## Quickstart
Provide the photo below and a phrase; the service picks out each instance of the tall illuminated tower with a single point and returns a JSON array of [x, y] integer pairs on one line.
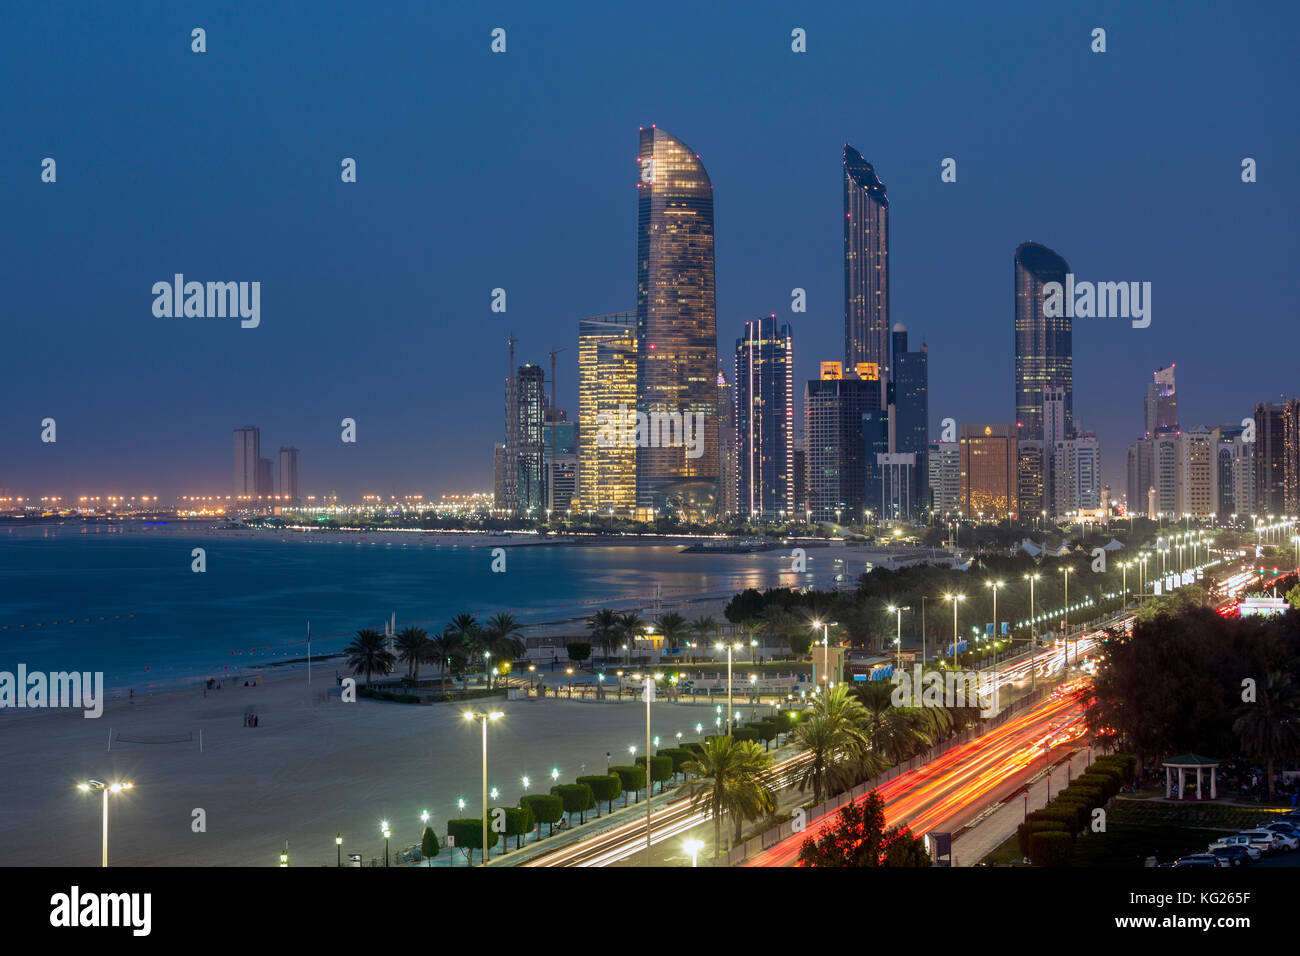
[[866, 265], [1044, 345], [677, 335], [606, 397], [765, 419]]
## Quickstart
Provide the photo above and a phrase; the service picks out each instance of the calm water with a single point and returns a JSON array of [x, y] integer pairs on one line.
[[153, 621]]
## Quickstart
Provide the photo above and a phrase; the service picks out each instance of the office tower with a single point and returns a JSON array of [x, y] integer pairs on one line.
[[290, 488], [1140, 475], [1166, 457], [528, 464], [1162, 404], [1291, 457], [801, 482], [876, 432], [989, 461], [764, 393], [1243, 476], [1275, 465], [1198, 473], [728, 462], [1043, 343], [836, 474], [1225, 445], [499, 476], [247, 454], [943, 460], [1076, 474], [898, 484], [677, 334], [265, 479], [1033, 462], [909, 385], [607, 406], [560, 462], [866, 265]]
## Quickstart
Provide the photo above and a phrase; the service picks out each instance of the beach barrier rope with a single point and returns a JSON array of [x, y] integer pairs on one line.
[[157, 739]]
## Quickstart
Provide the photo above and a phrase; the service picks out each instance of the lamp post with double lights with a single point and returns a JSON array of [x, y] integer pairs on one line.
[[730, 647], [826, 649], [995, 586], [1033, 633], [955, 599], [1065, 622], [648, 692], [898, 635], [483, 717], [105, 789]]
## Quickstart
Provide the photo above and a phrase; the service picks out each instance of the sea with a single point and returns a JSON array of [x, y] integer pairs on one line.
[[124, 598]]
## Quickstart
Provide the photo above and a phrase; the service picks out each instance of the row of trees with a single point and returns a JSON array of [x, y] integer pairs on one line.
[[463, 646]]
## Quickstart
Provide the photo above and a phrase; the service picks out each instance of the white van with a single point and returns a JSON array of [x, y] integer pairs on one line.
[[1241, 840], [1265, 840]]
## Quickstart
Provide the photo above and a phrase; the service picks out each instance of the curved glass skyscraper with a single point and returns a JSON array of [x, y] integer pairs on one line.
[[866, 265], [677, 334], [1044, 346]]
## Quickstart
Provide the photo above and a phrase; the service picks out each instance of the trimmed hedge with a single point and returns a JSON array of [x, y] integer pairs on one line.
[[546, 808], [695, 747], [1126, 764], [661, 768], [632, 780], [518, 821], [1082, 812], [1036, 826], [605, 788], [467, 833], [1085, 794], [1050, 848], [1107, 783], [679, 756], [576, 797]]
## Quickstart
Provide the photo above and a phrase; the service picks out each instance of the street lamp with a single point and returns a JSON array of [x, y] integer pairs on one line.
[[387, 833], [693, 848], [995, 586], [730, 647], [1066, 621], [955, 599], [483, 717], [898, 637], [1033, 633], [106, 789], [338, 849], [648, 691]]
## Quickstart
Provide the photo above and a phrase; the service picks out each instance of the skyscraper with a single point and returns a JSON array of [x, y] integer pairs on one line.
[[247, 454], [1277, 457], [909, 388], [528, 466], [866, 265], [943, 459], [290, 488], [837, 477], [989, 472], [265, 479], [606, 397], [1043, 344], [677, 334], [764, 393], [728, 466], [1161, 404]]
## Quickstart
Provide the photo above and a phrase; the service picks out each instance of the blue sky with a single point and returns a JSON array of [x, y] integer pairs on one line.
[[479, 170]]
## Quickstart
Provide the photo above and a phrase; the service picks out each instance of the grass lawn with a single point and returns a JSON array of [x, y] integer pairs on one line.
[[1136, 829], [1007, 853]]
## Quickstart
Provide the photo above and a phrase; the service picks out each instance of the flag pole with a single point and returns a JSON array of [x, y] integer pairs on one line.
[[309, 653]]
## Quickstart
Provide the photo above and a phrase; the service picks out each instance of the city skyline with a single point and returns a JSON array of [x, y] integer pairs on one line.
[[137, 425]]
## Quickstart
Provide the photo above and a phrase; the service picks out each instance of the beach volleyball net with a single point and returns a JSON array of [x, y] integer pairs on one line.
[[186, 737]]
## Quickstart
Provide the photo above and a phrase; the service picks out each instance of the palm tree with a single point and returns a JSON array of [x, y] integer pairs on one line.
[[465, 630], [897, 732], [367, 654], [839, 749], [411, 643], [1270, 727], [604, 629], [730, 777], [629, 626], [501, 634], [703, 627], [443, 649], [752, 627], [672, 627]]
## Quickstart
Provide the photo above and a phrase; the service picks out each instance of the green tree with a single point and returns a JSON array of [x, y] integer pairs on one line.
[[631, 779], [630, 627], [838, 747], [705, 630], [604, 627], [465, 630], [731, 778], [412, 648], [578, 652], [672, 627], [605, 788], [1269, 728], [546, 807], [859, 838], [577, 798], [446, 650], [367, 654], [429, 847], [467, 834]]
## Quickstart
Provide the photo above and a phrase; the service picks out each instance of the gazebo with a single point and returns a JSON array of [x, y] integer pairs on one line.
[[1187, 762]]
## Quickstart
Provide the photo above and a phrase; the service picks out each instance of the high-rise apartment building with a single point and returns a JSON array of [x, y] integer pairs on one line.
[[265, 479], [909, 390], [290, 484], [1076, 474], [1198, 473], [1043, 341], [1166, 457], [247, 454], [1161, 404], [528, 465], [560, 462], [989, 463], [677, 334], [1140, 475], [607, 406], [944, 463], [764, 416], [1033, 464], [1277, 458], [837, 478], [866, 265], [728, 459]]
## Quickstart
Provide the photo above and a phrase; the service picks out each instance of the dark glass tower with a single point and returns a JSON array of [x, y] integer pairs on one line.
[[764, 395], [910, 390], [866, 265], [677, 335], [1044, 349]]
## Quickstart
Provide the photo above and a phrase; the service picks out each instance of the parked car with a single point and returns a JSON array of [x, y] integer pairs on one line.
[[1282, 840], [1266, 840], [1288, 827], [1236, 855], [1201, 860], [1238, 839]]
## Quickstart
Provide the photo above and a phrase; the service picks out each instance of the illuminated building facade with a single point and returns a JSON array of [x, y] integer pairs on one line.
[[866, 264], [247, 455], [1044, 346], [989, 460], [677, 334], [728, 465], [764, 416], [606, 386], [290, 483], [837, 475]]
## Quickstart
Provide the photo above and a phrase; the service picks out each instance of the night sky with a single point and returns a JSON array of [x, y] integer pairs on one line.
[[517, 170]]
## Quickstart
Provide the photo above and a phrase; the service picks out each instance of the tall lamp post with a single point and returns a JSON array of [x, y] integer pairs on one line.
[[826, 653], [955, 599], [648, 693], [106, 789], [730, 647], [1033, 634], [995, 586], [898, 635], [384, 828], [483, 717], [1066, 620], [338, 849]]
